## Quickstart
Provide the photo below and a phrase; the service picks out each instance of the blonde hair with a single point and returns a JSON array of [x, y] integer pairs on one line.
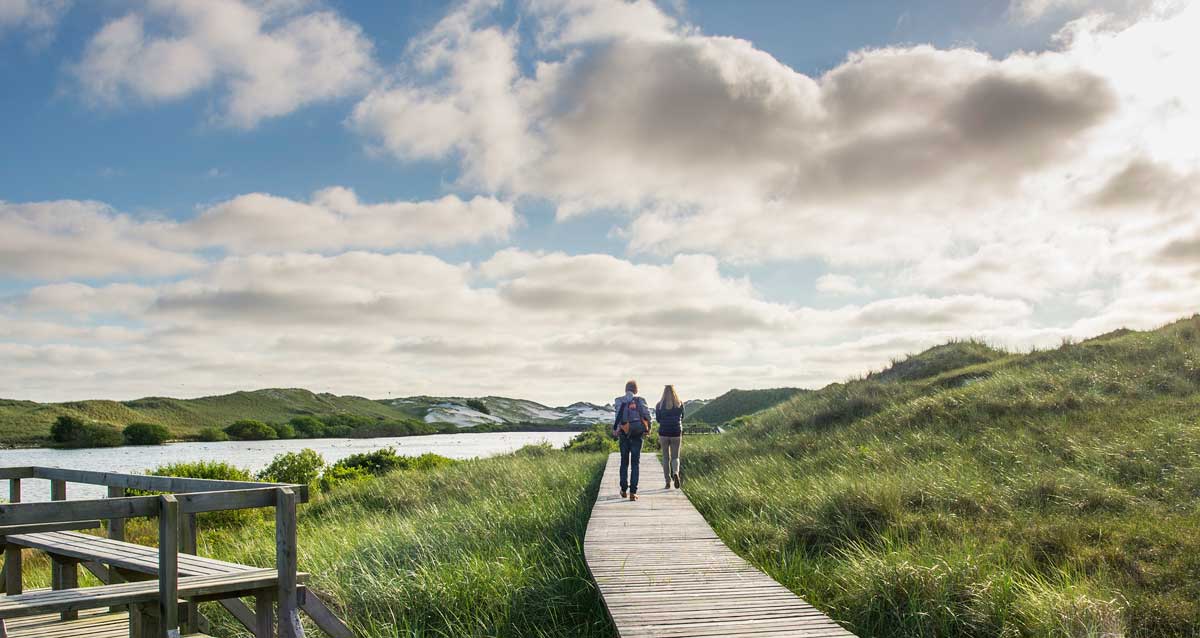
[[669, 400]]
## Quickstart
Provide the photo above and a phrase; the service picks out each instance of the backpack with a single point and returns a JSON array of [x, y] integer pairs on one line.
[[632, 423]]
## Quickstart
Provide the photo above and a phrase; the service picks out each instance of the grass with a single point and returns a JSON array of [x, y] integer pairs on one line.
[[481, 548], [977, 493], [489, 547]]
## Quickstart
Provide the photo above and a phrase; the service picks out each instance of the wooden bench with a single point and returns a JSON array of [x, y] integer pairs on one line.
[[102, 555], [244, 583], [176, 506]]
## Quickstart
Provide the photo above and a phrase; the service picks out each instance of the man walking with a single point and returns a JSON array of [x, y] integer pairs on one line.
[[631, 424]]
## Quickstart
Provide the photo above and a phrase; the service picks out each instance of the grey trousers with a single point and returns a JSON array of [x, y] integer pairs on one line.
[[670, 454]]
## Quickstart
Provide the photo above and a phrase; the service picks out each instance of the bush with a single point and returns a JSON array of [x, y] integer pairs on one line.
[[283, 430], [402, 427], [376, 463], [337, 475], [146, 434], [596, 439], [217, 471], [301, 468], [212, 435], [69, 431], [478, 406], [308, 427], [250, 430]]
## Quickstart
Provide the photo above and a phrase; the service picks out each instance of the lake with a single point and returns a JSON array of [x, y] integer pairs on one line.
[[253, 455]]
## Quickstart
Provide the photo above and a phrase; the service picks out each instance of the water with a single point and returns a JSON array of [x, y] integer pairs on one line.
[[252, 455]]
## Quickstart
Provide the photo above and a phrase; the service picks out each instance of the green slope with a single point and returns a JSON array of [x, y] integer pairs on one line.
[[965, 492], [736, 403], [26, 422]]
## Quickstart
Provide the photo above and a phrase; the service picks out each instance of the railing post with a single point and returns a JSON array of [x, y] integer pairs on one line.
[[58, 490], [12, 553], [285, 562], [168, 567], [187, 545], [116, 526]]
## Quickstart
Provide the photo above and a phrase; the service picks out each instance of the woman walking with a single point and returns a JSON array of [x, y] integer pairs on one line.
[[669, 413]]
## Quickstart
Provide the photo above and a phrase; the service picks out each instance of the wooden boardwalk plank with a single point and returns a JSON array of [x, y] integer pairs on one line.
[[689, 586]]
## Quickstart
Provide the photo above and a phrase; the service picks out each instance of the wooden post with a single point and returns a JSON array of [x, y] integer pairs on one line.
[[187, 545], [12, 570], [12, 560], [264, 617], [58, 490], [64, 574], [285, 562], [168, 567], [116, 526]]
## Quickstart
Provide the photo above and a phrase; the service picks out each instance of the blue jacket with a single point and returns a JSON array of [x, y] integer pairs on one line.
[[619, 406], [670, 422]]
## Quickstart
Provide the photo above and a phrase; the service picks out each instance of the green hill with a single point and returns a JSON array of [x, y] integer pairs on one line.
[[966, 492], [27, 422], [736, 403]]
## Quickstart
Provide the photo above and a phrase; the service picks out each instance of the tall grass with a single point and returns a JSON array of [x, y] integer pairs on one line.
[[481, 548], [1049, 494]]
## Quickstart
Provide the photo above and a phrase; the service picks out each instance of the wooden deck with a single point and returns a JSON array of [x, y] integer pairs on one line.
[[681, 580]]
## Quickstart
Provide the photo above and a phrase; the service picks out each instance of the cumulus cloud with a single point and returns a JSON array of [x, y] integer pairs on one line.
[[931, 170], [266, 59], [37, 16], [335, 219], [70, 238], [375, 324]]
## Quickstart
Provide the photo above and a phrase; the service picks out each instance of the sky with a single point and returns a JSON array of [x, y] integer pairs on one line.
[[544, 198]]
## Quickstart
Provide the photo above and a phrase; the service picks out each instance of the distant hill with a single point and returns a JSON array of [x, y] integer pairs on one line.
[[737, 403], [28, 422], [465, 412]]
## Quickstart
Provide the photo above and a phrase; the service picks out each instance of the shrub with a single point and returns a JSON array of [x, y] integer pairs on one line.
[[478, 406], [596, 439], [218, 471], [376, 463], [301, 468], [283, 430], [146, 434], [215, 470], [337, 475], [308, 427], [66, 429], [402, 427], [250, 430], [69, 431], [211, 435]]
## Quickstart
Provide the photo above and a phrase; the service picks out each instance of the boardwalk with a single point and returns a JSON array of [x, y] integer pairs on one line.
[[690, 586]]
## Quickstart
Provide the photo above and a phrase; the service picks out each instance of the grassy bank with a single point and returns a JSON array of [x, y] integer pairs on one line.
[[481, 548], [974, 493]]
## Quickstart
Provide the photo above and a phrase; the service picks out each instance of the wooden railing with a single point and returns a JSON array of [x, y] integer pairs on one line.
[[176, 509]]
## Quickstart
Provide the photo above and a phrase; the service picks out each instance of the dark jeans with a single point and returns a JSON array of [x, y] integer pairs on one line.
[[631, 456]]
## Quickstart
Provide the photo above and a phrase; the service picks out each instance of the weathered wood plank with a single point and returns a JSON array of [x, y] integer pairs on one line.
[[663, 572]]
